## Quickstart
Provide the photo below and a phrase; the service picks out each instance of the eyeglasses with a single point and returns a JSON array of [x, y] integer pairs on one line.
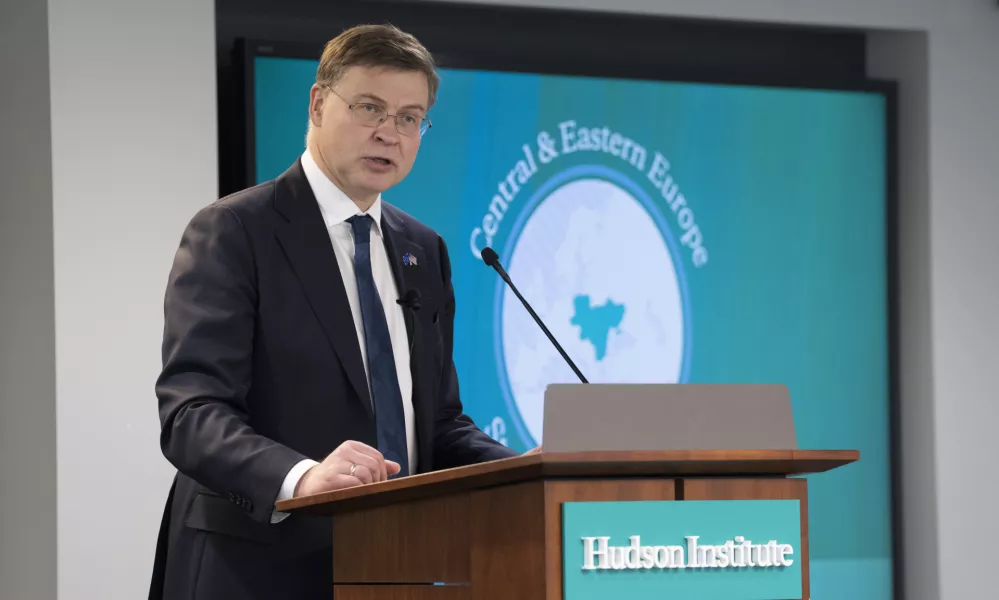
[[372, 115]]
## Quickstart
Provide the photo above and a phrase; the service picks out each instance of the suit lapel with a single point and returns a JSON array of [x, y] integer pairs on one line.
[[399, 244], [307, 245]]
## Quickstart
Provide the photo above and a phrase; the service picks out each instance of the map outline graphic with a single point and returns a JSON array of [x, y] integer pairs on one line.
[[588, 317], [584, 171]]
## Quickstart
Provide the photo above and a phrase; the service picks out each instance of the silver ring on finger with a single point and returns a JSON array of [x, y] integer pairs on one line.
[[353, 468]]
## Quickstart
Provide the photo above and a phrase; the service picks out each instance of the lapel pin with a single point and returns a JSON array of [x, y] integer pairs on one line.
[[409, 260]]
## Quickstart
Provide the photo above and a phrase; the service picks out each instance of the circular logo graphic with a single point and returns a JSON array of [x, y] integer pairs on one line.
[[592, 255]]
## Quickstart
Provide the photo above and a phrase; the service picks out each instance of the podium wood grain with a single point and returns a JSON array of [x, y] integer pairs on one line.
[[508, 542], [670, 463], [414, 542], [495, 530], [401, 592]]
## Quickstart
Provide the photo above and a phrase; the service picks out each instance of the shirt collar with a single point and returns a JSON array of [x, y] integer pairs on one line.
[[335, 205]]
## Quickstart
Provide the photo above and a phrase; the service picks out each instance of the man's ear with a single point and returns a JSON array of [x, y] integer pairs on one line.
[[317, 99]]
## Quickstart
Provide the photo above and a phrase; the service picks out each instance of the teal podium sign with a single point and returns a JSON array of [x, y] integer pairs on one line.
[[703, 550]]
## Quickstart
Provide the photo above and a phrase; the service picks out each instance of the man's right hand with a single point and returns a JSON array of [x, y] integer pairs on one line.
[[334, 473]]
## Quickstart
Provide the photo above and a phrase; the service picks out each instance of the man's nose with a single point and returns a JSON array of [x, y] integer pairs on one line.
[[386, 132]]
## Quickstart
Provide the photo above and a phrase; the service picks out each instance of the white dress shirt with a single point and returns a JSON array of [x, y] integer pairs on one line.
[[336, 208]]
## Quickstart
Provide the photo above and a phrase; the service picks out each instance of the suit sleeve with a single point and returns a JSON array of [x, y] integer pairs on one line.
[[210, 314], [457, 440]]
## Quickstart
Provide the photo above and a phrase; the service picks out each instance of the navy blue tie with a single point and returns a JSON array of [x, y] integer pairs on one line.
[[386, 397]]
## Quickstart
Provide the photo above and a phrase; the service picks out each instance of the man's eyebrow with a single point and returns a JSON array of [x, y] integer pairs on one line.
[[371, 97], [381, 101]]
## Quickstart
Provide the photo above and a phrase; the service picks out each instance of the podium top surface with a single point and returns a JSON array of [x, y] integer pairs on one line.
[[555, 465]]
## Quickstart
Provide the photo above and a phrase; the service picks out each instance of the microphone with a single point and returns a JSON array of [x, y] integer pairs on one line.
[[410, 300], [491, 259]]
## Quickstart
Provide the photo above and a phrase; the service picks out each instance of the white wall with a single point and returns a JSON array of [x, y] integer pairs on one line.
[[133, 157], [949, 254], [27, 336], [964, 163]]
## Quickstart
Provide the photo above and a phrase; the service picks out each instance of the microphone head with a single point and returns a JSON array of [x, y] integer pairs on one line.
[[489, 256]]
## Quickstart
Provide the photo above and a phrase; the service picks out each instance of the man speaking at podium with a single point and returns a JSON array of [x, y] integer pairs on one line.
[[308, 340]]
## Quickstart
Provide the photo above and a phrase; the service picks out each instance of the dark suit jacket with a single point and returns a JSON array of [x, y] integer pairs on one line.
[[262, 368]]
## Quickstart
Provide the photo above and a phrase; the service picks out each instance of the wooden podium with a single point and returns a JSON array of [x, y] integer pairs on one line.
[[493, 530]]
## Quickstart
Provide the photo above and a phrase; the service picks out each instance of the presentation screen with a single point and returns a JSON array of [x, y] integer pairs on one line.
[[665, 232]]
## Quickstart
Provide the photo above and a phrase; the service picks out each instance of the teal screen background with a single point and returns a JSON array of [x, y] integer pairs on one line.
[[787, 188]]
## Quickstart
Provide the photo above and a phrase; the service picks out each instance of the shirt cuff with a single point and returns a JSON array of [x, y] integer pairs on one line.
[[288, 487]]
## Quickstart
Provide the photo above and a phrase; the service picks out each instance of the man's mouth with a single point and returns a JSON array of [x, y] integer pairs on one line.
[[380, 160]]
